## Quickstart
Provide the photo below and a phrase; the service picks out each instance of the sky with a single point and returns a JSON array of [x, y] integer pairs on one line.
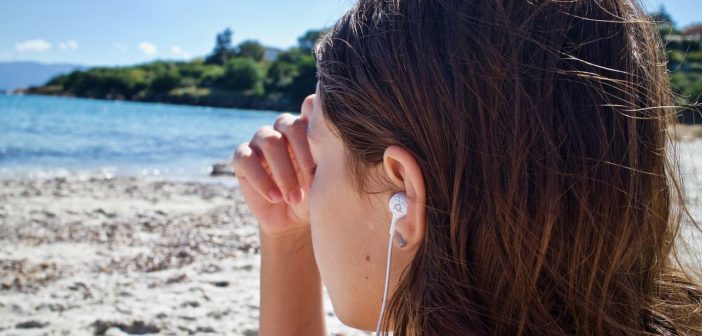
[[109, 32]]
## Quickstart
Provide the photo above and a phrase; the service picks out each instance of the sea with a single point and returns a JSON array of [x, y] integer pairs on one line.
[[45, 136]]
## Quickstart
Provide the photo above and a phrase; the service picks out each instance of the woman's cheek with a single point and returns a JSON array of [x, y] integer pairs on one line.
[[314, 208]]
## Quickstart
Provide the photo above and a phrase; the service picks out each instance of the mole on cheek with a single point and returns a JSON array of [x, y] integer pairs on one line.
[[367, 257]]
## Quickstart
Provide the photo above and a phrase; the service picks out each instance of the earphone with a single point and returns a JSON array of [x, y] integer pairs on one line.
[[398, 208]]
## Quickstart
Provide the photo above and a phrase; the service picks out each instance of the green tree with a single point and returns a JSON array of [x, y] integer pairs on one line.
[[307, 41], [197, 73], [211, 75], [234, 77], [241, 73], [280, 75], [165, 82], [292, 56], [662, 17], [293, 75], [305, 81], [223, 48], [252, 49]]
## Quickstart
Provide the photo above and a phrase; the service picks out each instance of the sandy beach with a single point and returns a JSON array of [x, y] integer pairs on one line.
[[104, 255], [685, 132], [114, 256]]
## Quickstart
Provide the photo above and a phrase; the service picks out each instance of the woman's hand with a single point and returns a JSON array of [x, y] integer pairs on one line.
[[274, 173]]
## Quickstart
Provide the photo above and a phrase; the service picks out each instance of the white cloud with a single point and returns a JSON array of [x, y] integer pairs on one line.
[[68, 45], [179, 52], [148, 48], [37, 45]]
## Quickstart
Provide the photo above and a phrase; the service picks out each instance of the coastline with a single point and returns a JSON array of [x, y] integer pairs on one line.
[[114, 255], [24, 93], [686, 132], [216, 99]]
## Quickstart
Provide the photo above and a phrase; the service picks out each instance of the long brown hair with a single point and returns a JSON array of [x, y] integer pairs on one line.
[[554, 200]]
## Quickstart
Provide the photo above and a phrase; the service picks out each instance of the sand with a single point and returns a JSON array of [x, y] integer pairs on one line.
[[104, 255], [685, 132], [121, 255]]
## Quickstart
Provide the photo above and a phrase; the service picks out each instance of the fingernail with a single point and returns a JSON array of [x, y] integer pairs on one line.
[[275, 195], [295, 196]]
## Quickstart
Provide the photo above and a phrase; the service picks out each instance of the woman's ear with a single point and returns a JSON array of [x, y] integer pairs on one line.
[[404, 172]]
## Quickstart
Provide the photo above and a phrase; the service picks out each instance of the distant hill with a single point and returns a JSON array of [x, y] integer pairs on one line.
[[248, 76], [17, 75]]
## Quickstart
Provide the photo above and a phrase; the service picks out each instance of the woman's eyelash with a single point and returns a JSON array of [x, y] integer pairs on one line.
[[312, 170]]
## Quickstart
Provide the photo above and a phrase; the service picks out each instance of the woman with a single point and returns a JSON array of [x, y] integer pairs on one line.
[[531, 140]]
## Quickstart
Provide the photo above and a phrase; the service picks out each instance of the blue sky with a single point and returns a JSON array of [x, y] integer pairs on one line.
[[102, 32]]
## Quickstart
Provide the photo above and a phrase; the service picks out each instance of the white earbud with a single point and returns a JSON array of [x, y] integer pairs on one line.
[[398, 208]]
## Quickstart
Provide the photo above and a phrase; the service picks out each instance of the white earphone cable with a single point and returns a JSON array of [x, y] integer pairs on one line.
[[387, 274]]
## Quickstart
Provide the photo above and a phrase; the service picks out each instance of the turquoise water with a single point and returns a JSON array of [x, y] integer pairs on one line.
[[53, 135], [47, 135]]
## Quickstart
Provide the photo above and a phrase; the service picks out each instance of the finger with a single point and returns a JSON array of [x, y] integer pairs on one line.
[[293, 128], [247, 165], [274, 149]]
